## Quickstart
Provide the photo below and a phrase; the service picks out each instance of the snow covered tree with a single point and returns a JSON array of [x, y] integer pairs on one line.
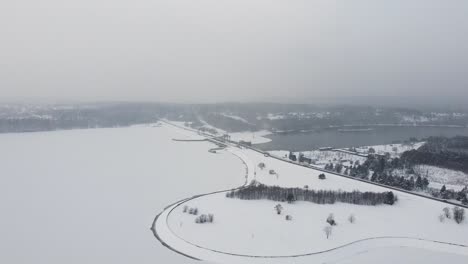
[[290, 197], [447, 213], [210, 218], [443, 189], [458, 214], [352, 218], [331, 219], [278, 208], [419, 183], [261, 165], [185, 209], [328, 231], [442, 218], [389, 198], [322, 176]]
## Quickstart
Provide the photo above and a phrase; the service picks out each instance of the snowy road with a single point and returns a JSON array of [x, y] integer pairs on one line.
[[162, 230]]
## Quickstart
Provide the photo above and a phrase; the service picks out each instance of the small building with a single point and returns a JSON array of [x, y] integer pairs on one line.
[[292, 156]]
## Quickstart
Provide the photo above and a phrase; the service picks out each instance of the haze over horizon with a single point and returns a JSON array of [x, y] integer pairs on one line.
[[209, 51]]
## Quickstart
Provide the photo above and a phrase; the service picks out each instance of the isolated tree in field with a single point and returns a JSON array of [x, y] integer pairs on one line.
[[442, 218], [352, 218], [290, 198], [389, 198], [261, 165], [458, 214], [371, 151], [331, 219], [447, 213], [322, 176], [328, 231], [278, 208]]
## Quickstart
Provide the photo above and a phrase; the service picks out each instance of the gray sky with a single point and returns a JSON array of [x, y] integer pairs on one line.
[[209, 50]]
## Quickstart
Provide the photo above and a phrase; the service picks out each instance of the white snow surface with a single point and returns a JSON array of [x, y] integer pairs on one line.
[[395, 150], [253, 228], [90, 196], [439, 176]]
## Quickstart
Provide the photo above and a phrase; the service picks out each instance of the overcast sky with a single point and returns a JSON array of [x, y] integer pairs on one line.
[[220, 50]]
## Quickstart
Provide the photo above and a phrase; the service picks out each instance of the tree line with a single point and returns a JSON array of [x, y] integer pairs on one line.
[[257, 191]]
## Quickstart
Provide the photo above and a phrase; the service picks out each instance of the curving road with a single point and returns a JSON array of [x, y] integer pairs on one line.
[[162, 217]]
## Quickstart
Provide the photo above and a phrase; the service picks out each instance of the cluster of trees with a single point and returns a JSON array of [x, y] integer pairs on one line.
[[331, 222], [337, 167], [449, 194], [256, 191], [204, 219], [457, 213], [190, 210]]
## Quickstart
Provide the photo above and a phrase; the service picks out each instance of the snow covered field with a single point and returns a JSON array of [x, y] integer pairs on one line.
[[438, 177], [394, 150], [90, 196], [252, 227]]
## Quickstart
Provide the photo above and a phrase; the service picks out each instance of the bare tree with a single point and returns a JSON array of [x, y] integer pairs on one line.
[[458, 214], [447, 212], [352, 218], [278, 208], [261, 165], [442, 218], [328, 231], [331, 219]]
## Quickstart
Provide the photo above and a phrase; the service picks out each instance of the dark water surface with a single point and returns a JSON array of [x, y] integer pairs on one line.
[[331, 137]]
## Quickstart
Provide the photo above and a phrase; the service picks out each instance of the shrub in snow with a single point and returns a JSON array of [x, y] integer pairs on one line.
[[290, 198], [331, 220], [458, 214], [306, 187], [442, 218], [195, 211], [288, 218], [447, 214], [190, 211], [328, 231], [322, 176], [278, 208], [185, 209], [261, 165], [351, 218], [204, 219]]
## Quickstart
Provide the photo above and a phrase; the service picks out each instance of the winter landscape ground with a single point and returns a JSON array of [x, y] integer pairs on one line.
[[91, 195]]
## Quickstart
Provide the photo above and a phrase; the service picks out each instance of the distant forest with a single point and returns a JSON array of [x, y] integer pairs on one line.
[[257, 191], [450, 153], [231, 117]]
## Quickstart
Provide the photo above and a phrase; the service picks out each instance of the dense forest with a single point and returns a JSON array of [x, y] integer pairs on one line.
[[257, 191], [450, 153]]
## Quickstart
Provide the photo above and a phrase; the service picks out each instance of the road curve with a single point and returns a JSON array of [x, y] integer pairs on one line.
[[163, 216]]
